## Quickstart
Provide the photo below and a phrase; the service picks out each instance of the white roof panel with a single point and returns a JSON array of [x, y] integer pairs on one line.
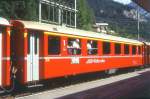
[[4, 21], [147, 43], [72, 31]]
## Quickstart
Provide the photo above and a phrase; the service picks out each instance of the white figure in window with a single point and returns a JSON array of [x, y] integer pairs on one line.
[[76, 46], [89, 47]]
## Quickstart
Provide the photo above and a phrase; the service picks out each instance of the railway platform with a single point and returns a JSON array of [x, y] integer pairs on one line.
[[121, 86]]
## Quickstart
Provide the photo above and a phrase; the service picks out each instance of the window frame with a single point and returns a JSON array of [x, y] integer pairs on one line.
[[96, 42], [80, 44], [134, 49], [58, 45], [115, 48], [139, 50], [127, 52], [104, 48]]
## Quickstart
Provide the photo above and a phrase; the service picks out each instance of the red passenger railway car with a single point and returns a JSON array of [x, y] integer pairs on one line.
[[5, 67], [43, 51], [146, 53]]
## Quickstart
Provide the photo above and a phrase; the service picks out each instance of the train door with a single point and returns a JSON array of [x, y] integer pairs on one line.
[[0, 57], [145, 54], [33, 57], [148, 53]]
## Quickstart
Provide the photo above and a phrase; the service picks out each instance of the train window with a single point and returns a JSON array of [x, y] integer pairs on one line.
[[117, 48], [92, 47], [2, 29], [139, 50], [149, 49], [74, 46], [35, 43], [133, 49], [29, 43], [106, 47], [53, 45], [126, 49]]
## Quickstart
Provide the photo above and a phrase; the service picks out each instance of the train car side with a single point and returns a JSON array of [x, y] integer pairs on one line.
[[146, 52], [5, 68], [46, 51], [66, 64]]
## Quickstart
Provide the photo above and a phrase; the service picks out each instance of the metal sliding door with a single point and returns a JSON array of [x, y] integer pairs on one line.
[[33, 57], [1, 58]]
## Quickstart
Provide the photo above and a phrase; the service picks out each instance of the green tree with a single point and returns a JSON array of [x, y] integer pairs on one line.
[[6, 9], [15, 9], [85, 15], [31, 10]]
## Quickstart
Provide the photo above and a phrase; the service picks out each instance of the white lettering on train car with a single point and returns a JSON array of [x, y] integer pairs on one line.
[[47, 60], [75, 60], [96, 61]]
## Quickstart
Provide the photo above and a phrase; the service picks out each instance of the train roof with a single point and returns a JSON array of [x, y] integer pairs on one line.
[[71, 31], [147, 43], [4, 21]]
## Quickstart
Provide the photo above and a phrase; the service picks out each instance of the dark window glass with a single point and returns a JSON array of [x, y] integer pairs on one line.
[[1, 29], [74, 46], [29, 43], [51, 12], [35, 41], [148, 48], [117, 48], [45, 12], [106, 47], [134, 50], [55, 14], [92, 47], [139, 50], [12, 41], [126, 49], [53, 45]]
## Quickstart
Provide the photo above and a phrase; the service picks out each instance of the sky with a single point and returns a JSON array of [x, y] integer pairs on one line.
[[123, 1]]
